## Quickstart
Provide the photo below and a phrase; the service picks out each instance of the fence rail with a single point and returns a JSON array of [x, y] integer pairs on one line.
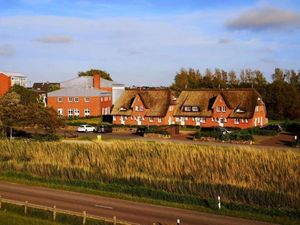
[[55, 210]]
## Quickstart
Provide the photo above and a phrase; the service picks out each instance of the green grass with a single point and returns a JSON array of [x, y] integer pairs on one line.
[[79, 121], [39, 216], [9, 218]]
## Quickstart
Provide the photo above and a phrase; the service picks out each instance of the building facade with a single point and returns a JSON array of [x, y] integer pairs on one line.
[[147, 107], [82, 97], [235, 108], [8, 79]]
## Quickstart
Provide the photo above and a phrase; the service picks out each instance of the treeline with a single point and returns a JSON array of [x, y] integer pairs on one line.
[[281, 95]]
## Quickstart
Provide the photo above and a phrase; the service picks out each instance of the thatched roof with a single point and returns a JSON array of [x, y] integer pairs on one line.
[[242, 100], [156, 101]]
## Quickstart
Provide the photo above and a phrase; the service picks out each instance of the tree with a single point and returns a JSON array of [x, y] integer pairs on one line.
[[232, 79], [278, 75], [26, 96], [11, 111], [186, 79], [91, 72], [282, 100]]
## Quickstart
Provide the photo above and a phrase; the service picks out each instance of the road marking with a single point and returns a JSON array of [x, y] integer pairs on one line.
[[103, 206]]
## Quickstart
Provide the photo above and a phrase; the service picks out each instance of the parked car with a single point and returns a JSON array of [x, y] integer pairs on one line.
[[104, 129], [86, 128], [275, 127], [140, 131]]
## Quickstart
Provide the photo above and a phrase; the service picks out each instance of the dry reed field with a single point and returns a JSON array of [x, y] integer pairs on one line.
[[259, 177]]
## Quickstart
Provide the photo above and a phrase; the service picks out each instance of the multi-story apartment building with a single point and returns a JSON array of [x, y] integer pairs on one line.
[[84, 96], [8, 79]]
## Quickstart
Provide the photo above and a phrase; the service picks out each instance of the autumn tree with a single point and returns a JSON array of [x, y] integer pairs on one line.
[[91, 72], [186, 79]]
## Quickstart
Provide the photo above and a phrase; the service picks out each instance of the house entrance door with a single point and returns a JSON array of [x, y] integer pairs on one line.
[[221, 122], [139, 120]]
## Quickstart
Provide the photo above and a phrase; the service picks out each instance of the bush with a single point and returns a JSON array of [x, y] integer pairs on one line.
[[46, 137], [156, 130], [260, 131]]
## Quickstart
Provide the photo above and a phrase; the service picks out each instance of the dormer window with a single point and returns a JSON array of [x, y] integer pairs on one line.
[[223, 108], [123, 109], [195, 109], [238, 110], [187, 108]]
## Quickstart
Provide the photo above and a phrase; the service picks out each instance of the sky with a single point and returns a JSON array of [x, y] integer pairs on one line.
[[145, 42]]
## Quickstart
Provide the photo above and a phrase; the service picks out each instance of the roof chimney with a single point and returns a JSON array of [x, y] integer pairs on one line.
[[96, 80]]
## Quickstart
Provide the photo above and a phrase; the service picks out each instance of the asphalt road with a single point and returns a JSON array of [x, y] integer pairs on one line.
[[136, 212]]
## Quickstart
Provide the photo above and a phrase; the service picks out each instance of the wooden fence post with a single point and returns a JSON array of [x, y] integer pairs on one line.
[[25, 208], [115, 220], [84, 218], [54, 213]]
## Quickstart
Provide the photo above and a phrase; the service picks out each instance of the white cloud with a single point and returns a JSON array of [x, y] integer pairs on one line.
[[265, 18], [225, 41], [54, 39], [7, 50]]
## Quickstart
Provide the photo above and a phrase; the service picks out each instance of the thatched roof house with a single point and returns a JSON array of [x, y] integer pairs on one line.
[[156, 102], [241, 102]]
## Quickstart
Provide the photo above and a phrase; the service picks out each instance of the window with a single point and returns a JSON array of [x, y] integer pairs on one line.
[[218, 108], [60, 112], [202, 120], [76, 99], [114, 118], [139, 108], [195, 109], [256, 108], [225, 120], [87, 99], [187, 108], [212, 119], [76, 112], [70, 99], [246, 120], [177, 119], [159, 119], [236, 121], [125, 117], [223, 108], [171, 108], [151, 119], [123, 109], [70, 112], [101, 99], [239, 110], [59, 99], [87, 112]]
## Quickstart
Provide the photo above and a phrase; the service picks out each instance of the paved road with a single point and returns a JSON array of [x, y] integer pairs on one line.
[[141, 213]]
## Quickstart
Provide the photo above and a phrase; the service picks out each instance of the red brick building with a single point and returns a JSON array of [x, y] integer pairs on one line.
[[235, 108], [239, 108], [83, 96], [5, 84], [8, 79], [144, 107]]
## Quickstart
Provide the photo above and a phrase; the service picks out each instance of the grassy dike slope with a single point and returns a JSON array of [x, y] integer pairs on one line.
[[248, 179]]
